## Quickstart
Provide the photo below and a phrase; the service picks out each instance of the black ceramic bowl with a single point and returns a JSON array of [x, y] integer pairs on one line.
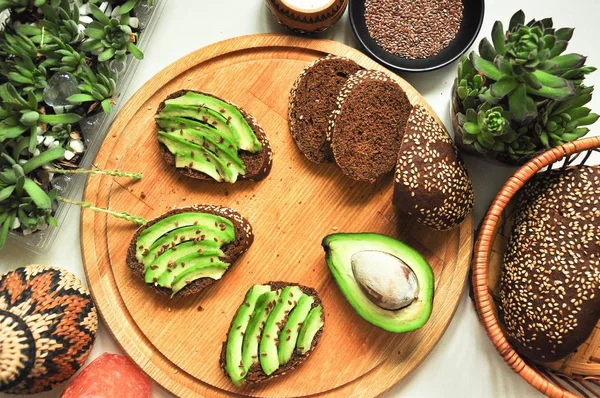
[[469, 29]]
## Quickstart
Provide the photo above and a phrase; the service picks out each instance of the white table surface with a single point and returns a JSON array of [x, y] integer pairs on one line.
[[464, 363]]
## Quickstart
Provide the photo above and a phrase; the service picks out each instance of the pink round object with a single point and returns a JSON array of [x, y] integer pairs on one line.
[[109, 376]]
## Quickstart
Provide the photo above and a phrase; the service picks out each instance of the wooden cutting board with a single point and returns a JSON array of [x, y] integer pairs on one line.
[[178, 341]]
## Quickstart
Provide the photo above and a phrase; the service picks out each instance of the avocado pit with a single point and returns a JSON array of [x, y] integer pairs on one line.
[[386, 280]]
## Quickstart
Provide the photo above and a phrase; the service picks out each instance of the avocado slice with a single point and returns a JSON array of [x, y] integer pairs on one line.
[[174, 123], [178, 270], [264, 306], [310, 327], [234, 365], [173, 258], [220, 149], [196, 157], [351, 256], [289, 333], [269, 358], [148, 238], [199, 269], [248, 140]]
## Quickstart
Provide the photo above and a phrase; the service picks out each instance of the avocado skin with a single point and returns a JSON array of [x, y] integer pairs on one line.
[[339, 249]]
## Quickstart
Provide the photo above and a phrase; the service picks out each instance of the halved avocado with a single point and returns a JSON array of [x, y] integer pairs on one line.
[[352, 254], [234, 365], [248, 140]]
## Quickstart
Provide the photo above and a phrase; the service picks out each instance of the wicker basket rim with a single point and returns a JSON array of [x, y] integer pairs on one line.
[[481, 258]]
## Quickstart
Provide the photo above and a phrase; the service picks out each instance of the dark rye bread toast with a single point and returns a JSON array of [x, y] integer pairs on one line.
[[255, 373], [550, 286], [258, 165], [312, 99], [366, 128], [431, 181], [243, 240]]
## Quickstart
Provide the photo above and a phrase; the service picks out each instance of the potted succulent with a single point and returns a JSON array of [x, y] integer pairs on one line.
[[521, 94], [59, 61]]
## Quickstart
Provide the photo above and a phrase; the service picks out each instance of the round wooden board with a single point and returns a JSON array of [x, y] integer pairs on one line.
[[177, 342]]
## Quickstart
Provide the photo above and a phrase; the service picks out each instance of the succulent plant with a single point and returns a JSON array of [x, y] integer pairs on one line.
[[96, 87], [522, 81], [110, 37]]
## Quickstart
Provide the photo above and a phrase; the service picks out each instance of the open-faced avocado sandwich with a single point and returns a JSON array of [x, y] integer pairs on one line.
[[388, 283], [274, 330], [208, 138], [187, 249]]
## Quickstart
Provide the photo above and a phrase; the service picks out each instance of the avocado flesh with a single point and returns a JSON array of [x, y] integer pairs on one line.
[[202, 269], [310, 328], [150, 235], [196, 157], [289, 333], [264, 306], [233, 351], [227, 155], [340, 248], [173, 123], [191, 262], [269, 358], [154, 269], [248, 140]]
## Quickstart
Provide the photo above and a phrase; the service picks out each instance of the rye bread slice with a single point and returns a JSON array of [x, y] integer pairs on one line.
[[431, 181], [312, 99], [366, 128], [243, 240], [550, 286], [255, 373], [258, 165]]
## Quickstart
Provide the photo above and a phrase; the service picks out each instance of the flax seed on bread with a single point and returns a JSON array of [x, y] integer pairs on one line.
[[243, 240], [366, 128], [312, 99]]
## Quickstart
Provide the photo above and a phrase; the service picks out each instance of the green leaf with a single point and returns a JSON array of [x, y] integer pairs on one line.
[[589, 119], [499, 38], [532, 81], [37, 194], [6, 192], [486, 67], [106, 54], [29, 118], [136, 52], [94, 33], [558, 94], [486, 50], [99, 15], [45, 157], [576, 134], [503, 87], [521, 106], [558, 48], [549, 80], [106, 105], [128, 6], [517, 19], [79, 98], [8, 132], [471, 128], [568, 61], [65, 118], [564, 34], [7, 224]]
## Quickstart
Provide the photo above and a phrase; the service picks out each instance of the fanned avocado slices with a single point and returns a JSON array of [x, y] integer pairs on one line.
[[273, 331], [207, 136], [188, 249]]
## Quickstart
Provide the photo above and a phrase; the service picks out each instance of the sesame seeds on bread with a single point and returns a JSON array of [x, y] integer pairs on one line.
[[258, 165], [232, 251], [366, 128], [312, 99], [550, 286], [431, 180]]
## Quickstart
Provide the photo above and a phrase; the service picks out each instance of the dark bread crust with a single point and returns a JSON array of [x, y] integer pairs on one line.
[[258, 165], [431, 180], [243, 240], [312, 99], [550, 286], [367, 127], [255, 373]]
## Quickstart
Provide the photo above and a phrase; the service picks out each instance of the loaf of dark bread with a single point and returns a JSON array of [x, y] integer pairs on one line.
[[366, 128], [312, 99], [550, 287], [255, 373], [258, 165], [431, 181], [243, 240]]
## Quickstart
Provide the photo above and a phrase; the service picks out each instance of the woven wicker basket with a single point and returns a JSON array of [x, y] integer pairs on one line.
[[578, 374]]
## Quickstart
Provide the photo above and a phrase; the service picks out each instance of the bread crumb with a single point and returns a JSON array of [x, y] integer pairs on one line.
[[168, 310], [335, 228], [142, 195], [149, 108], [200, 308]]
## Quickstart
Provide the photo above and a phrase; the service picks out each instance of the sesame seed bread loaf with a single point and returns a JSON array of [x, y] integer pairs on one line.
[[258, 165], [550, 287], [366, 128], [431, 180], [232, 251], [312, 99]]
